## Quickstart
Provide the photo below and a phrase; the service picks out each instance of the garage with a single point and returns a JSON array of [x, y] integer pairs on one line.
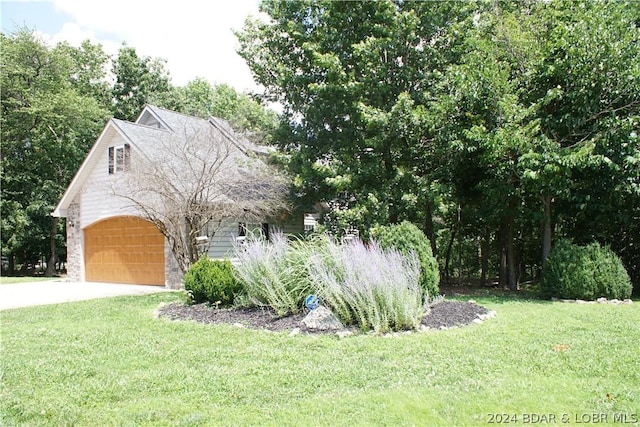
[[124, 250]]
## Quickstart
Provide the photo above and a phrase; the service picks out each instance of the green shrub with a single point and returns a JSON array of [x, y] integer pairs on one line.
[[584, 272], [212, 281], [406, 238]]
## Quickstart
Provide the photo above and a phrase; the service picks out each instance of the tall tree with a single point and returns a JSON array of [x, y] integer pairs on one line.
[[522, 116], [588, 92], [351, 77], [47, 126], [139, 81], [245, 114]]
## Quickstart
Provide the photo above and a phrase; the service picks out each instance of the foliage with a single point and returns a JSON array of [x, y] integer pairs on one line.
[[245, 114], [49, 120], [369, 286], [584, 272], [500, 122], [139, 81], [406, 238], [352, 97], [212, 281], [274, 272]]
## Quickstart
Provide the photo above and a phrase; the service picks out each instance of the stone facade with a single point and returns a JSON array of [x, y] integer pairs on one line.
[[74, 243]]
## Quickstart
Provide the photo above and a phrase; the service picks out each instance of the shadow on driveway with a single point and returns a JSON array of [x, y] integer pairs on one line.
[[18, 295]]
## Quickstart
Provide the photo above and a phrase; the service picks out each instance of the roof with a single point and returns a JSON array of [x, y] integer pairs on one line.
[[152, 124]]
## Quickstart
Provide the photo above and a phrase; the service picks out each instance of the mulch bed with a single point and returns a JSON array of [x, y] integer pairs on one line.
[[444, 314]]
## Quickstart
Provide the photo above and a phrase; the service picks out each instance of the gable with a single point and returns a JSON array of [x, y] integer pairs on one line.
[[110, 152], [149, 117]]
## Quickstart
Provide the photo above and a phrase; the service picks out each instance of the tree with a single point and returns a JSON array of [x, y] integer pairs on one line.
[[139, 81], [191, 182], [245, 114], [588, 92], [351, 77], [502, 122], [48, 124]]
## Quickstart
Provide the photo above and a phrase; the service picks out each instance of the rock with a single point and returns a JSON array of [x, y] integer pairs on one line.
[[602, 300], [322, 319], [627, 301]]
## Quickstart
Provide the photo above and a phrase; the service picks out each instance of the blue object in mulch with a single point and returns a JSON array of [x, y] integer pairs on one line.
[[312, 302]]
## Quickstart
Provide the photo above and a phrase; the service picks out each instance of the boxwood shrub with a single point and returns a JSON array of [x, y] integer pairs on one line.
[[212, 281], [405, 238], [584, 272]]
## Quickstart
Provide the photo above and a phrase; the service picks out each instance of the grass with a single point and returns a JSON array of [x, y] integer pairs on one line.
[[109, 362], [7, 280]]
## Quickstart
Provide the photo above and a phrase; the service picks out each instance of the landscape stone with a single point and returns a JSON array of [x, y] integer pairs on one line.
[[322, 319]]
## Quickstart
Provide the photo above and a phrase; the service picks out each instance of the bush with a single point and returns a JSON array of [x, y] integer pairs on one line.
[[212, 281], [274, 273], [407, 238], [584, 272], [374, 288]]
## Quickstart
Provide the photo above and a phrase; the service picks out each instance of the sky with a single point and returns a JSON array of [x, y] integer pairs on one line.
[[194, 36]]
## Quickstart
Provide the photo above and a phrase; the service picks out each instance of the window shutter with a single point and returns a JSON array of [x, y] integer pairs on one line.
[[127, 157], [111, 161]]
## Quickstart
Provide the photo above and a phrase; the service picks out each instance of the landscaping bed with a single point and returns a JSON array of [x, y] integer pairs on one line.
[[444, 314]]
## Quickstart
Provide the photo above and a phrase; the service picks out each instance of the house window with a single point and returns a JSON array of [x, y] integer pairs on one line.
[[119, 158]]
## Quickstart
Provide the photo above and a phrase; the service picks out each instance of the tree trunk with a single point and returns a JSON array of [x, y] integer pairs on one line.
[[502, 275], [51, 265], [429, 229], [546, 236], [447, 261], [484, 257], [511, 259]]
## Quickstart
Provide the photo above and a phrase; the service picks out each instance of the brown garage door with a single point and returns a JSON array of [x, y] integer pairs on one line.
[[124, 250]]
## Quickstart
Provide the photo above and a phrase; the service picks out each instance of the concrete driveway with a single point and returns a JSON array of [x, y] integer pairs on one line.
[[54, 292]]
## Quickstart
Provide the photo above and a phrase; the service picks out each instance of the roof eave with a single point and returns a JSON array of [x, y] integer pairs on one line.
[[81, 176]]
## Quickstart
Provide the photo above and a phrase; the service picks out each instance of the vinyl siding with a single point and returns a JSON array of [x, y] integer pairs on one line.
[[96, 196], [222, 243]]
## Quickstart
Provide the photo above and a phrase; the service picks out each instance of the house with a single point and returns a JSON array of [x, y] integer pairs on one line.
[[108, 240]]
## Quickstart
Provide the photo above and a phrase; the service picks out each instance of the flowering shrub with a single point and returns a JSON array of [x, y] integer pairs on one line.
[[407, 238], [368, 286], [273, 273], [364, 285]]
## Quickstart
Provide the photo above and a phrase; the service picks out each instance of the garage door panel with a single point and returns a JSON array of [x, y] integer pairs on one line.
[[124, 250]]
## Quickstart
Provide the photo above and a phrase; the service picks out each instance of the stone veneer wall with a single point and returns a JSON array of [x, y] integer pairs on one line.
[[74, 243], [172, 274]]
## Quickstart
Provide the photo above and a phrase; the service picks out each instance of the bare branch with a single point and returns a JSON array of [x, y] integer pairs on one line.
[[190, 181]]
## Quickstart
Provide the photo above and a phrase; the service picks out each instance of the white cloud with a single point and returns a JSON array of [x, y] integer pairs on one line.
[[194, 36]]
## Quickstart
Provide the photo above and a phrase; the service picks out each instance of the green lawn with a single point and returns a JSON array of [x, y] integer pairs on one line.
[[110, 362], [6, 280]]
